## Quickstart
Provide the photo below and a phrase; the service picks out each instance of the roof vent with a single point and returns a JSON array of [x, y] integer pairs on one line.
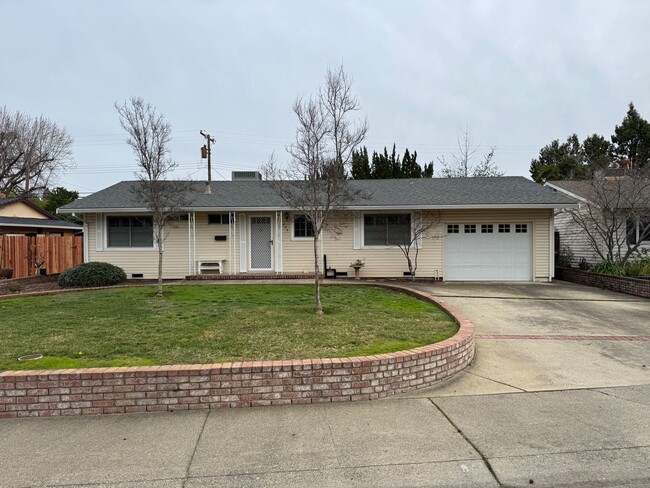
[[246, 175]]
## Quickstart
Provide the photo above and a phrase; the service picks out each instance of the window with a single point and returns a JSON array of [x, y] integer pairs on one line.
[[504, 228], [130, 231], [302, 226], [470, 228], [521, 228], [453, 229], [219, 218], [386, 229], [487, 229], [638, 231]]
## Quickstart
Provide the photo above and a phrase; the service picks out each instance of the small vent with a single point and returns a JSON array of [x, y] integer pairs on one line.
[[246, 175], [137, 275]]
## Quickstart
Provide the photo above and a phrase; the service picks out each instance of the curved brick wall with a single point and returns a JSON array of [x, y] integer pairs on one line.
[[227, 385]]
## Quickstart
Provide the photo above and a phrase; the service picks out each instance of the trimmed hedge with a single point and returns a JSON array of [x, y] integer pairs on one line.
[[92, 274]]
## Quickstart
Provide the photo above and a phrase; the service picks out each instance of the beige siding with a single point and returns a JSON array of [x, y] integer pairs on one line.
[[379, 262], [20, 209], [297, 255], [206, 246], [145, 261]]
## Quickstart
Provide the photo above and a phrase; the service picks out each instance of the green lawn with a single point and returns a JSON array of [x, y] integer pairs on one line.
[[206, 324]]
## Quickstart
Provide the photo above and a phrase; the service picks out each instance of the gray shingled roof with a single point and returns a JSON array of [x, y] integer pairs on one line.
[[44, 223], [508, 191], [8, 200]]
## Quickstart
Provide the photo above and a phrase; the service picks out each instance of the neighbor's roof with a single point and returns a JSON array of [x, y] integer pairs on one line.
[[588, 190], [505, 192], [8, 200], [41, 223]]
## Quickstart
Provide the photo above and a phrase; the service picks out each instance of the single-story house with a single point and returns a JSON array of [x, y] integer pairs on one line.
[[19, 215], [485, 229], [631, 202]]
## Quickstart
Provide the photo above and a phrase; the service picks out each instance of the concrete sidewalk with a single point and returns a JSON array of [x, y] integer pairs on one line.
[[597, 437]]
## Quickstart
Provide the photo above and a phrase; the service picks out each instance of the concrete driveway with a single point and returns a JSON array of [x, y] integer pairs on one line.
[[544, 336], [569, 409]]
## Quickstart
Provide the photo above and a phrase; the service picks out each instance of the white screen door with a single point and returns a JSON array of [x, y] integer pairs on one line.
[[261, 243]]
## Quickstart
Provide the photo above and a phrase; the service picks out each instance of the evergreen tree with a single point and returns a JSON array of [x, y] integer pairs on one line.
[[410, 167], [632, 139], [360, 164]]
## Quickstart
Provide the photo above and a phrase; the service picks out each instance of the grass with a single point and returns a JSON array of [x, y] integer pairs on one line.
[[207, 324]]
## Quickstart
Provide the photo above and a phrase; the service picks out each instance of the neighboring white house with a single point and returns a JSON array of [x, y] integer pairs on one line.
[[634, 223], [486, 229]]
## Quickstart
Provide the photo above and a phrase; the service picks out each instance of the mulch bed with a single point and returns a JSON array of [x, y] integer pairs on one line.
[[19, 286]]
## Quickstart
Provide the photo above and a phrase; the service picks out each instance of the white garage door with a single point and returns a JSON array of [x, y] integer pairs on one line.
[[488, 252]]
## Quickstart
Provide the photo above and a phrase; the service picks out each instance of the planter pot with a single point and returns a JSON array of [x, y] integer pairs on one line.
[[7, 273], [42, 272]]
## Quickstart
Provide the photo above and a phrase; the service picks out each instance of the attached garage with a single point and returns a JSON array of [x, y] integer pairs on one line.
[[488, 252]]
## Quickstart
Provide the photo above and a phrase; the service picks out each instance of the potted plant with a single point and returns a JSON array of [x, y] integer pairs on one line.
[[357, 265]]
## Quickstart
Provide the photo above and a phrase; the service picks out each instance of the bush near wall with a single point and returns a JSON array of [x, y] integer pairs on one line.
[[622, 284]]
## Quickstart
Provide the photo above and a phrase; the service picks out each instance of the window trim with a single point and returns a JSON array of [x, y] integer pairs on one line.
[[108, 248], [293, 229], [382, 246]]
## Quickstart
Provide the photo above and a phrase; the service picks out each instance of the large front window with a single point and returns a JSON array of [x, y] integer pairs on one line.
[[386, 229], [130, 231]]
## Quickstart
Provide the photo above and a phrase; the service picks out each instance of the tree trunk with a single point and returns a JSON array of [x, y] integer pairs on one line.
[[160, 272], [319, 306]]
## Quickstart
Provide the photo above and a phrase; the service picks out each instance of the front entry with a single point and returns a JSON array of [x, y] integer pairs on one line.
[[261, 242]]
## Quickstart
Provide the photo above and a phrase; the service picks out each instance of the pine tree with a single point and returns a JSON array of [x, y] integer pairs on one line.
[[632, 139]]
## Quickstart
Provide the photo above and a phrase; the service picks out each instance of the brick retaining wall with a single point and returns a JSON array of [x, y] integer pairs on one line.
[[621, 284], [228, 385]]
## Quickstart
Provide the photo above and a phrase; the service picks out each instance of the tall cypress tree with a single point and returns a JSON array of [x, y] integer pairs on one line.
[[361, 164]]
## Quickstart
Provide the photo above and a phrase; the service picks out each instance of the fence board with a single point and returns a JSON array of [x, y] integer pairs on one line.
[[27, 254]]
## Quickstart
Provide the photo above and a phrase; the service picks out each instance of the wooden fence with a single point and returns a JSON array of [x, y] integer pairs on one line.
[[30, 255]]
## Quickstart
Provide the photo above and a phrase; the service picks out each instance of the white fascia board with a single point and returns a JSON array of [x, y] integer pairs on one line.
[[566, 192], [351, 207], [464, 207], [103, 210]]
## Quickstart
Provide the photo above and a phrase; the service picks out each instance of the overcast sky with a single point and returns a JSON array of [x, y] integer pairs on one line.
[[517, 73]]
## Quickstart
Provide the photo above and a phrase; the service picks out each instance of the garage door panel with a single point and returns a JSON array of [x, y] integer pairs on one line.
[[485, 256]]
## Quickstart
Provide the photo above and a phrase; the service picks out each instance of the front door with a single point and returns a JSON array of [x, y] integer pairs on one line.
[[261, 239]]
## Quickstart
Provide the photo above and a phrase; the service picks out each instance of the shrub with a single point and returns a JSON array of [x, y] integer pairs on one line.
[[608, 268], [92, 274], [639, 267]]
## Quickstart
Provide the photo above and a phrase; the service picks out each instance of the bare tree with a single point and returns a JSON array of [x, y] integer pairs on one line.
[[423, 225], [33, 152], [313, 183], [149, 135], [614, 217], [463, 165]]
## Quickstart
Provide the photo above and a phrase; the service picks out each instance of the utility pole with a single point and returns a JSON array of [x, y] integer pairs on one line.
[[207, 152]]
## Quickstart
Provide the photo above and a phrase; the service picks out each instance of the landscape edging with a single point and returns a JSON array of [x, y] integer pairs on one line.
[[95, 391]]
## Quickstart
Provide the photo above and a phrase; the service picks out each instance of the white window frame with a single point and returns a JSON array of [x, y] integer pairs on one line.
[[363, 228], [122, 249], [293, 228]]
